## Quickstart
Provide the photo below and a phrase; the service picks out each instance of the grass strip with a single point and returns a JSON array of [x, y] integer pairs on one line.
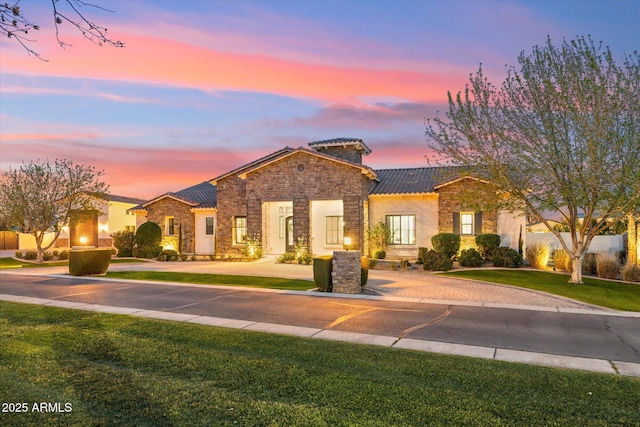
[[121, 370], [6, 263], [615, 295], [215, 279]]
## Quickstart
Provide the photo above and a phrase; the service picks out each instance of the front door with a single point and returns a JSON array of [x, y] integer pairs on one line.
[[289, 234]]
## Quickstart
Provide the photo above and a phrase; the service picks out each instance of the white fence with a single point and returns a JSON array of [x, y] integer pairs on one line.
[[599, 244]]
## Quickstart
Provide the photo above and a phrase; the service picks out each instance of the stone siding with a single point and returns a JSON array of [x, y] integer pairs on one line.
[[467, 195], [184, 220], [347, 153], [300, 177], [232, 202], [345, 274]]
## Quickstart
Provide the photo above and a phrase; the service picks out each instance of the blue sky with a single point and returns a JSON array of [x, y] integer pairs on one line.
[[204, 86]]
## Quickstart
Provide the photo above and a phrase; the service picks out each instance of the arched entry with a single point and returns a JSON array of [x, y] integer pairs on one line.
[[289, 234]]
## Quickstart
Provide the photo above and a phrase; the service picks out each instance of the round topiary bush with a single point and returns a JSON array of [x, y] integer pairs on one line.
[[506, 257], [447, 244], [470, 258], [379, 254], [148, 238]]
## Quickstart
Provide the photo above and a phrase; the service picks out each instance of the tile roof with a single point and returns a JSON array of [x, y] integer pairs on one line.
[[199, 196], [124, 199], [412, 180], [341, 141], [205, 195]]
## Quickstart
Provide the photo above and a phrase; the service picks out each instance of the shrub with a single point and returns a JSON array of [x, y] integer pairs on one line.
[[18, 254], [47, 256], [607, 266], [589, 263], [562, 260], [379, 237], [630, 273], [168, 255], [380, 254], [148, 238], [421, 253], [322, 267], [124, 242], [373, 262], [447, 244], [437, 261], [286, 258], [56, 253], [64, 255], [538, 254], [470, 258], [30, 255], [487, 244], [85, 262], [364, 270], [506, 257]]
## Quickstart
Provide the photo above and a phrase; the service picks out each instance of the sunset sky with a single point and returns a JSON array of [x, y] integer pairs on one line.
[[205, 86]]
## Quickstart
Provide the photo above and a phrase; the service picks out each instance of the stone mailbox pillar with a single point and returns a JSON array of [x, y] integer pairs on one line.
[[346, 272]]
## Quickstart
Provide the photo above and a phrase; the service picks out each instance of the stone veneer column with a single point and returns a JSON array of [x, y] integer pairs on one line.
[[346, 272], [352, 214], [301, 220]]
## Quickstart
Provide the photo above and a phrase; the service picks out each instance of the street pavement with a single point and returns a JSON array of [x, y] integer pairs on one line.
[[411, 310]]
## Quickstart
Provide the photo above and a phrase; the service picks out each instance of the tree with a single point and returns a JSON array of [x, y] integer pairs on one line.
[[560, 135], [40, 197], [16, 26]]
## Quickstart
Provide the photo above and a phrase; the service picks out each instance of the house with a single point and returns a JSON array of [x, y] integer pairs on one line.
[[187, 218], [92, 229], [320, 195]]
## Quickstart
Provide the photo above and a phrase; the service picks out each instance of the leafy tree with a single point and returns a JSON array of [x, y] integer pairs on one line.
[[16, 26], [560, 135], [40, 197]]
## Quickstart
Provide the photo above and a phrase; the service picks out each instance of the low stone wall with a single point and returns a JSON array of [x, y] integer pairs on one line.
[[346, 272]]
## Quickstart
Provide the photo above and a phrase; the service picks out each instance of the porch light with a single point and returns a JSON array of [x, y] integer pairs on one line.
[[347, 243]]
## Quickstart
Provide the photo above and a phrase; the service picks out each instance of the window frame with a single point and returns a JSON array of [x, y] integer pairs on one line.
[[406, 227], [237, 230], [170, 226], [470, 225], [209, 229], [334, 234]]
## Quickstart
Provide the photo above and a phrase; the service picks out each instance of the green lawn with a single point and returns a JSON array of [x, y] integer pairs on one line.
[[619, 296], [121, 370], [215, 279], [13, 263]]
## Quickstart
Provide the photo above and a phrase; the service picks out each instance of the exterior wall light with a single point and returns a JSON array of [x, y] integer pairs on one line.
[[347, 243]]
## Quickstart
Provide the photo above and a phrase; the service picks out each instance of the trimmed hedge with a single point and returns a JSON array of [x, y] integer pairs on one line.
[[322, 268], [436, 261], [447, 244], [148, 239], [87, 262], [470, 258], [364, 270], [487, 244], [506, 257]]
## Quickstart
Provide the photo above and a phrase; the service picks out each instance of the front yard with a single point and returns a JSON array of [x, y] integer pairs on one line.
[[119, 370]]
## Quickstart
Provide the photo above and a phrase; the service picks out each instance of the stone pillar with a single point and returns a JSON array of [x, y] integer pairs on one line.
[[346, 272], [301, 220]]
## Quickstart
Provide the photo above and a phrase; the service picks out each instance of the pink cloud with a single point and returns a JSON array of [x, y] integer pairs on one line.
[[165, 61]]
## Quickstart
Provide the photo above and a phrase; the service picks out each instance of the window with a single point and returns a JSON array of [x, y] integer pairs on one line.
[[335, 230], [466, 223], [209, 226], [170, 226], [282, 210], [240, 230], [403, 229]]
